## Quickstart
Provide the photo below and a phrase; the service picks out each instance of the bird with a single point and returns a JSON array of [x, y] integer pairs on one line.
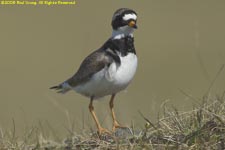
[[109, 69]]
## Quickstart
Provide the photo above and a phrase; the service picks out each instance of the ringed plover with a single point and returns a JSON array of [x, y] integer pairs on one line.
[[109, 69]]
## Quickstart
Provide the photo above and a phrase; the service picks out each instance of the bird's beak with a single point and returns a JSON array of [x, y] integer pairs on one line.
[[132, 24]]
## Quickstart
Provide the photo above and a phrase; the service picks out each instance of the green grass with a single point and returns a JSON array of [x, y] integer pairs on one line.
[[201, 128]]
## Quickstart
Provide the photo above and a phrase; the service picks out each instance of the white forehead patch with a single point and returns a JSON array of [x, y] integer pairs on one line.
[[129, 16]]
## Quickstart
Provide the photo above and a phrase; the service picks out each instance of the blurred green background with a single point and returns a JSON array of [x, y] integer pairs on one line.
[[180, 46]]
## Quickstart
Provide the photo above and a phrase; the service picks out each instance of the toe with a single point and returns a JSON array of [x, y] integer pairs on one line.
[[103, 131], [117, 125]]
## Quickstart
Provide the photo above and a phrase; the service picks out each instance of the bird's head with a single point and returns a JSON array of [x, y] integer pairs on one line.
[[124, 21]]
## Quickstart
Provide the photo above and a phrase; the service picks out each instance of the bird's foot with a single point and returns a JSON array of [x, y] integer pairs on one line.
[[102, 131], [117, 125]]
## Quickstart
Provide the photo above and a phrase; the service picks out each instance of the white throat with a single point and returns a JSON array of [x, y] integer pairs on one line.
[[122, 32]]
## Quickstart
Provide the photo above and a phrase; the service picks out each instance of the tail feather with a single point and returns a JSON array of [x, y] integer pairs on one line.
[[56, 87], [62, 88]]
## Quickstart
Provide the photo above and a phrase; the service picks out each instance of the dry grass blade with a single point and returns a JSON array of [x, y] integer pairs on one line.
[[146, 119], [200, 128]]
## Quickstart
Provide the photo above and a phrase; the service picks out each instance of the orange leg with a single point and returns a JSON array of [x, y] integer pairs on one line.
[[115, 122], [100, 129]]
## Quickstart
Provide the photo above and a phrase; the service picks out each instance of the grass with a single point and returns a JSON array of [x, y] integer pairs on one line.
[[201, 128]]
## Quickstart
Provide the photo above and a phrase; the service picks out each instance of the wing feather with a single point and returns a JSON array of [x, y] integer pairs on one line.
[[91, 65]]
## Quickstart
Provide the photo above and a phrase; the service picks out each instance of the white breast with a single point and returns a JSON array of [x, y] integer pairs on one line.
[[111, 79], [125, 72]]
